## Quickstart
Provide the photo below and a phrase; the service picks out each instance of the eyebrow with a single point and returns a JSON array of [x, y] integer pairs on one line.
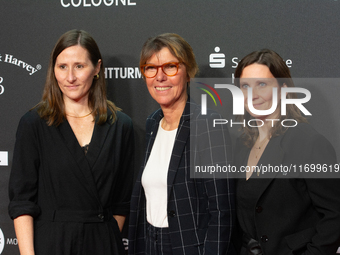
[[258, 79], [173, 61], [65, 63]]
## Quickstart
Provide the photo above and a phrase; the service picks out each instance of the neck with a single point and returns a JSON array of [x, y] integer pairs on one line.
[[172, 114], [264, 131], [77, 109]]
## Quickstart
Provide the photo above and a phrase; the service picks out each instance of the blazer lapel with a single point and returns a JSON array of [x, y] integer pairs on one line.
[[181, 140], [152, 125], [272, 156], [97, 142]]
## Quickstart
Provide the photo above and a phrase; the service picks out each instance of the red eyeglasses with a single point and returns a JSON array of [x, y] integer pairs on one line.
[[170, 69]]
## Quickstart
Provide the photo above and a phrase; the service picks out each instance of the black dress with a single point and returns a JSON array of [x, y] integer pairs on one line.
[[72, 195]]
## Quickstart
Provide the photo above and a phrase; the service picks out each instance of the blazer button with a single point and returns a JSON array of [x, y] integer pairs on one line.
[[101, 216], [264, 238], [258, 209], [172, 214]]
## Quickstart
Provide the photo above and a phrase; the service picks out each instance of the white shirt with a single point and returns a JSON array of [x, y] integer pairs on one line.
[[155, 176]]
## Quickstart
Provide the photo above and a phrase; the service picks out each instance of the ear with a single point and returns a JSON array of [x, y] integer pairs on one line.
[[283, 86], [97, 69], [188, 78]]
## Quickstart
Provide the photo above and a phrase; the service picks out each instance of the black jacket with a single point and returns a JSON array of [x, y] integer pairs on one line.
[[300, 213]]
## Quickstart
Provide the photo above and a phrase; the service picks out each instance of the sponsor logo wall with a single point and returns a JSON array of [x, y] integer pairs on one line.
[[220, 33]]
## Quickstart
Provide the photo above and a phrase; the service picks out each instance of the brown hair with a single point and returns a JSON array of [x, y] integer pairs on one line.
[[51, 106], [280, 70], [178, 47]]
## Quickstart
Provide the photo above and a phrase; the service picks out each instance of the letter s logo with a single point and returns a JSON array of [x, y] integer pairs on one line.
[[217, 60]]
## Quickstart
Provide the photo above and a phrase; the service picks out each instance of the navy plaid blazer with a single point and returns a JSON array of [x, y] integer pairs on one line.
[[200, 211]]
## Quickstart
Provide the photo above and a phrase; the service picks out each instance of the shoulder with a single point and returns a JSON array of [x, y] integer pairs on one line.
[[123, 122], [154, 117], [211, 122], [30, 118], [30, 125], [302, 128], [306, 140], [196, 113], [123, 118], [303, 132]]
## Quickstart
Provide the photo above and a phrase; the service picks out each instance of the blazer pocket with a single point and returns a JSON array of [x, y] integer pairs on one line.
[[300, 239]]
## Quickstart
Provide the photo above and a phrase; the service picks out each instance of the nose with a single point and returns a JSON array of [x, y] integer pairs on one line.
[[160, 76], [255, 94], [70, 76]]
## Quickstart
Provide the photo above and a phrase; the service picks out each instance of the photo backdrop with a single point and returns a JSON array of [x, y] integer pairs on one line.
[[305, 33]]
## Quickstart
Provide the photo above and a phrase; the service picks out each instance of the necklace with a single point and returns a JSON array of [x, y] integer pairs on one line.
[[79, 116], [261, 144], [257, 154]]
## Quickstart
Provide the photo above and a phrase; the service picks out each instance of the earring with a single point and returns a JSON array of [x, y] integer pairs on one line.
[[96, 77]]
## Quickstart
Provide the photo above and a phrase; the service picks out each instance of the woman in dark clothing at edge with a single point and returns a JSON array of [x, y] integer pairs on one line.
[[296, 213]]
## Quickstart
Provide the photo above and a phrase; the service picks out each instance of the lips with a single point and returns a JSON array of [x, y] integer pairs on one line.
[[71, 86], [254, 104]]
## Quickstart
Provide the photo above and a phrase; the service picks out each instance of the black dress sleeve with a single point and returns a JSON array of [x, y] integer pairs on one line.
[[23, 183], [126, 172], [325, 194]]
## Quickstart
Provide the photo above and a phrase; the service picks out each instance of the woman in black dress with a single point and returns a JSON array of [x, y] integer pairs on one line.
[[282, 213], [72, 166]]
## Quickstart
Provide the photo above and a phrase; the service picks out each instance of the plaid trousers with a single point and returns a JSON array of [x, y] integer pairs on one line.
[[158, 241]]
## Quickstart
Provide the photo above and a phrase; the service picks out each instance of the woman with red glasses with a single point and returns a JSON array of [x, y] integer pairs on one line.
[[172, 213]]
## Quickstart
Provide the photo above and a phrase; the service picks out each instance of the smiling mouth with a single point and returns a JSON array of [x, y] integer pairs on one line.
[[71, 86], [162, 88]]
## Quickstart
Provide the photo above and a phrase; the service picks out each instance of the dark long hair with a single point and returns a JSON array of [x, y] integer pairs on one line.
[[51, 106], [280, 71]]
